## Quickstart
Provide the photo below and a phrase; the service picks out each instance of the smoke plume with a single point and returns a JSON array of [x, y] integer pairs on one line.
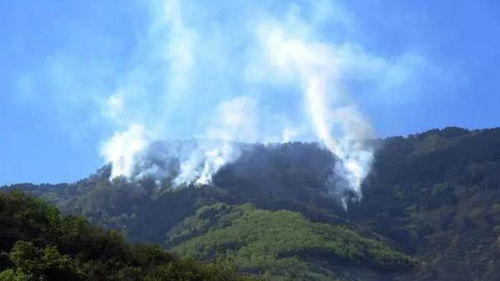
[[204, 81], [336, 122]]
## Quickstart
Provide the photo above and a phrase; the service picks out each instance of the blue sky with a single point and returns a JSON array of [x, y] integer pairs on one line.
[[408, 66]]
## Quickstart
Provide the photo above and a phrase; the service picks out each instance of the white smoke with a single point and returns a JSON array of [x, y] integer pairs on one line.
[[337, 123], [122, 148], [188, 74], [234, 121]]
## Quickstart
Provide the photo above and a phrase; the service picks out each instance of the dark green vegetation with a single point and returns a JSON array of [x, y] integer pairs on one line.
[[37, 243], [276, 242], [430, 211]]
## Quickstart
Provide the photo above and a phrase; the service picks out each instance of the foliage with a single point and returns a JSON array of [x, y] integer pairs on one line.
[[32, 263], [434, 196], [45, 246], [278, 242]]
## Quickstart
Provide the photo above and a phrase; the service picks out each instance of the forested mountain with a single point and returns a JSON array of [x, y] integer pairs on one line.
[[430, 211], [37, 243]]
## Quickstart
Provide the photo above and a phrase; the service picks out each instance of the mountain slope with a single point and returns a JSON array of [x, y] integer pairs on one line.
[[37, 243], [279, 243], [433, 196], [441, 201]]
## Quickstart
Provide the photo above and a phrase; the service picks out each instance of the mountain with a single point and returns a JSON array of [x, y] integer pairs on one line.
[[430, 211], [37, 243]]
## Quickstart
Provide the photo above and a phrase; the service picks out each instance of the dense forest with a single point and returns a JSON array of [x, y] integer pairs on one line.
[[38, 243], [430, 211]]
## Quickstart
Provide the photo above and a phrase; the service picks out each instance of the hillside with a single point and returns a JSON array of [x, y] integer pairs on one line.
[[280, 243], [37, 243], [430, 211]]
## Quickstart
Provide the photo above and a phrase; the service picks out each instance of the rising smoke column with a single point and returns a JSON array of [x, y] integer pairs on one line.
[[234, 120], [337, 123], [122, 150], [220, 79]]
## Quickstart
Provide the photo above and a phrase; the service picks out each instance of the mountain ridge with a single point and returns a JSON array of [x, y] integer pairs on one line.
[[433, 196]]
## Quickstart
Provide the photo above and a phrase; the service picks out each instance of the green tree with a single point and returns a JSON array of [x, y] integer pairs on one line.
[[32, 263]]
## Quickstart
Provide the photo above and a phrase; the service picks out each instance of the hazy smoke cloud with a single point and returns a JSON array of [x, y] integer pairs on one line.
[[234, 120], [336, 122], [121, 150], [252, 75]]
